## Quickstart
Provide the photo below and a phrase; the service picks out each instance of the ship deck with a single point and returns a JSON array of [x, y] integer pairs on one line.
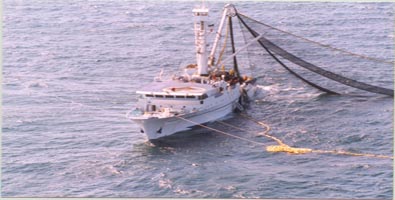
[[176, 87]]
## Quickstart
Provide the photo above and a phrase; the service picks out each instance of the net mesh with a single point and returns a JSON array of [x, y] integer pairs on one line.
[[327, 68]]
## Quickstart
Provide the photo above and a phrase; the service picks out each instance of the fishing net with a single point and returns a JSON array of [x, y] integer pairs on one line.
[[326, 68]]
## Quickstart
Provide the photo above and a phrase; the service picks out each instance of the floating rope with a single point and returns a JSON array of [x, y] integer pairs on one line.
[[285, 148], [281, 147]]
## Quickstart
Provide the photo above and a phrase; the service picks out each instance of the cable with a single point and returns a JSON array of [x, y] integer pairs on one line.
[[281, 147], [320, 44], [266, 44]]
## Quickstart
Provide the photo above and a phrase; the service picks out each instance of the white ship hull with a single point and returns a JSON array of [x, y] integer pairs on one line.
[[174, 114], [156, 127]]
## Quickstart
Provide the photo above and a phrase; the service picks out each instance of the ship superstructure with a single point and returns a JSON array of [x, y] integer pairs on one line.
[[202, 94]]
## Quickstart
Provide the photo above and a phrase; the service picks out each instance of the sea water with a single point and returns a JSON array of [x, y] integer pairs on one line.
[[71, 69]]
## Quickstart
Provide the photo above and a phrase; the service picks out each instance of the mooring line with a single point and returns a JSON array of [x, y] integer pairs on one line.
[[281, 147], [219, 131], [264, 133]]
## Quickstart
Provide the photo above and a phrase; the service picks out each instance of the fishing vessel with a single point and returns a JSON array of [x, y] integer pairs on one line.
[[203, 93]]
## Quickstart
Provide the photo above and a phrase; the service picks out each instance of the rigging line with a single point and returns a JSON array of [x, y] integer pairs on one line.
[[248, 53], [336, 77], [285, 66], [320, 44], [224, 46], [235, 66]]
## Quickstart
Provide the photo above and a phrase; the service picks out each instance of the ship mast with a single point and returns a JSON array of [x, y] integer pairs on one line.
[[218, 35], [201, 15]]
